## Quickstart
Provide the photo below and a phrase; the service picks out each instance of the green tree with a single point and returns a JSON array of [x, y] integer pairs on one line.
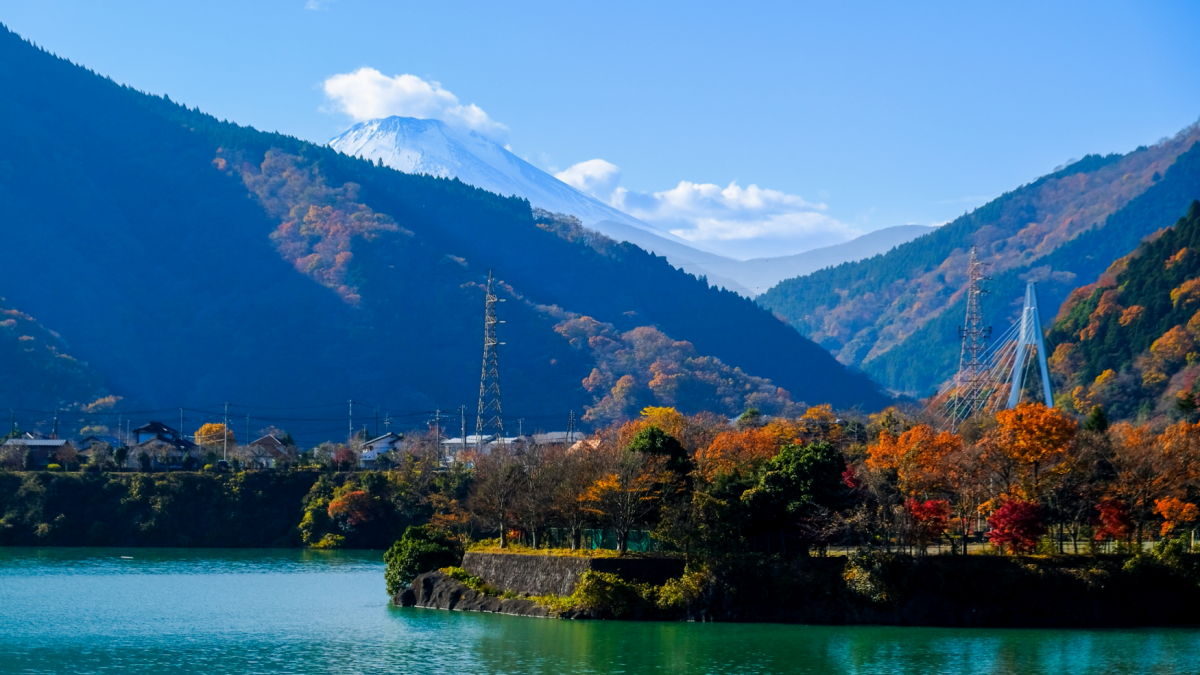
[[421, 549], [798, 492]]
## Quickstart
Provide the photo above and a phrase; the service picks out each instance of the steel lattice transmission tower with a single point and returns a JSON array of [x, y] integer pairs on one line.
[[972, 384], [489, 417]]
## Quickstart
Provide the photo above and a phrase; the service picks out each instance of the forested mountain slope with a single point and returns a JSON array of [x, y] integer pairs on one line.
[[192, 261], [896, 315], [1128, 342], [38, 369]]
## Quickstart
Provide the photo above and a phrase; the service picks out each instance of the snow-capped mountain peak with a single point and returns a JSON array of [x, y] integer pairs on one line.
[[438, 149]]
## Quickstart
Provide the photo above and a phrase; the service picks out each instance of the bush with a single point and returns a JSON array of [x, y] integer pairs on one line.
[[471, 581], [421, 549], [606, 594], [330, 541], [678, 596], [867, 574]]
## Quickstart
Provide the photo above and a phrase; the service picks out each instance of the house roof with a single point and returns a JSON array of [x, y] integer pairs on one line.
[[38, 442], [270, 440], [389, 437], [156, 428]]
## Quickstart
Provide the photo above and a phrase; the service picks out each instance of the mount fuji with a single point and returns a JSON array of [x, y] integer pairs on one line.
[[432, 147]]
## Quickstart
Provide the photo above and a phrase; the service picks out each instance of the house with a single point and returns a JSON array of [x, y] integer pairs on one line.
[[268, 452], [555, 438], [86, 443], [372, 450], [38, 453], [166, 447], [155, 430]]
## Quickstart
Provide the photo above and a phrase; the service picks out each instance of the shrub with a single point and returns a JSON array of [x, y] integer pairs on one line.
[[473, 582], [607, 594], [420, 549], [677, 596], [330, 541], [867, 574]]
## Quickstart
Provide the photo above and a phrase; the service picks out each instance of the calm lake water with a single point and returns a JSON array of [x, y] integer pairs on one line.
[[221, 611]]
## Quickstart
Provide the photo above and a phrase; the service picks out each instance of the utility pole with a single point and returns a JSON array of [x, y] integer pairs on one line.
[[182, 431], [225, 435], [571, 427], [387, 422], [437, 434], [350, 420], [490, 413], [54, 432], [520, 426]]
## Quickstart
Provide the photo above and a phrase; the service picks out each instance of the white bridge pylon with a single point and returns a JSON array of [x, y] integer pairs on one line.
[[1029, 337]]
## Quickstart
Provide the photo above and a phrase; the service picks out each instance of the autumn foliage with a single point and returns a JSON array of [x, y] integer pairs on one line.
[[1018, 525]]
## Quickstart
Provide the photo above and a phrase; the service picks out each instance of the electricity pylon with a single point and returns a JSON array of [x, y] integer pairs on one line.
[[490, 413]]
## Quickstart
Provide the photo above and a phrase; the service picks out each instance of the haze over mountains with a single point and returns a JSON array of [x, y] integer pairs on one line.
[[432, 147], [188, 261]]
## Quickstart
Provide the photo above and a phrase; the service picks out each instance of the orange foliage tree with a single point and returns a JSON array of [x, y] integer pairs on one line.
[[1175, 512], [1035, 438], [919, 456]]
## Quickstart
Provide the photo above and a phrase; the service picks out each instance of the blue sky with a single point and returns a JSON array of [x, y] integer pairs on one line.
[[845, 116]]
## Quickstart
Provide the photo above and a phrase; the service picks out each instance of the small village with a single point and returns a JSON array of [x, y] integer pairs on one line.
[[155, 446]]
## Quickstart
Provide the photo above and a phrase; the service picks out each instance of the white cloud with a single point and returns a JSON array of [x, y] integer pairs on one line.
[[596, 177], [739, 221], [367, 94]]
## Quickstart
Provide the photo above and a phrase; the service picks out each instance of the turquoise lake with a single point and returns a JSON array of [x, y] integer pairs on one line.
[[264, 611]]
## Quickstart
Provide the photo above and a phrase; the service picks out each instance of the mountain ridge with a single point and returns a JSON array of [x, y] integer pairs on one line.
[[896, 315], [225, 263]]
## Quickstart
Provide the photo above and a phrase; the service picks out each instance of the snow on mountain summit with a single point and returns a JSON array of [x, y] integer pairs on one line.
[[438, 149]]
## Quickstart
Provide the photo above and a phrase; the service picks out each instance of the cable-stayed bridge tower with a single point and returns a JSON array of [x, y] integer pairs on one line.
[[1029, 337]]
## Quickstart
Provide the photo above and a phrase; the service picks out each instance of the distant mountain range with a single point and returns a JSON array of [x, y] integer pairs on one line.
[[760, 274], [896, 315], [185, 261], [434, 148]]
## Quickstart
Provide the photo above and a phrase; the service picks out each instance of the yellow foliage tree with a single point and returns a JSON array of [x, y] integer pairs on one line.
[[214, 435]]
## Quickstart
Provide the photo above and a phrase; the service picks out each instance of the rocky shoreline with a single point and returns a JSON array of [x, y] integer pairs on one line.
[[436, 590]]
